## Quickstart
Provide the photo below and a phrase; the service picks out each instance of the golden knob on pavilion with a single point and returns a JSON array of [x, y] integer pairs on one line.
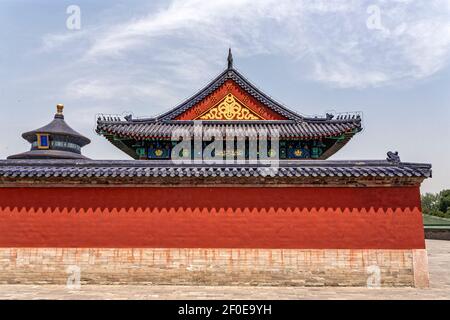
[[59, 108]]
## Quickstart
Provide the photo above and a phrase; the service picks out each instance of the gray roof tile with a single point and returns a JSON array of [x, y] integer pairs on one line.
[[285, 129], [117, 170]]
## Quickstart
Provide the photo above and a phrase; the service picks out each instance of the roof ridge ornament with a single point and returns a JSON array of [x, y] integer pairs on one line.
[[230, 59], [393, 157]]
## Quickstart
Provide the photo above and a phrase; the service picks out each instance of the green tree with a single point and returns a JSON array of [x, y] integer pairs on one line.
[[430, 203], [444, 201]]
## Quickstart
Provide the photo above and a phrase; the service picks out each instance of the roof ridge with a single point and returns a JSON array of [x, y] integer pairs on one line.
[[201, 163], [228, 74], [340, 118], [185, 101], [157, 172], [268, 97]]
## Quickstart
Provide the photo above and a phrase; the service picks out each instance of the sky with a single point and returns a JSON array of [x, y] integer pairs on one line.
[[387, 59]]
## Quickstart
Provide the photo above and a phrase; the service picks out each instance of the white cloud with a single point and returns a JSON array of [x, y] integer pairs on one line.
[[57, 41], [327, 40]]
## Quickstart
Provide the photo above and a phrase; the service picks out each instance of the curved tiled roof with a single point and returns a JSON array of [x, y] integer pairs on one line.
[[47, 154], [308, 129], [58, 127], [145, 171], [230, 74], [63, 142], [295, 126]]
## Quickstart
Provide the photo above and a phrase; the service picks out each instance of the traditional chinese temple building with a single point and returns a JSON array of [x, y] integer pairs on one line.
[[231, 105], [56, 140], [287, 218]]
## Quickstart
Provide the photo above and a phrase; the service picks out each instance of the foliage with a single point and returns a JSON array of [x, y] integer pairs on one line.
[[437, 204], [430, 202], [444, 201]]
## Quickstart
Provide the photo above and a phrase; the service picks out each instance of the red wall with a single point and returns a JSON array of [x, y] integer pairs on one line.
[[212, 217]]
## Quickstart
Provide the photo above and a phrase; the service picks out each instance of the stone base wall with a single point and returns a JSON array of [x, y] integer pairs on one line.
[[265, 267], [437, 234]]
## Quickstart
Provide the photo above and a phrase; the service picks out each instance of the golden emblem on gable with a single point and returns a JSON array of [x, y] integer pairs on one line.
[[230, 108]]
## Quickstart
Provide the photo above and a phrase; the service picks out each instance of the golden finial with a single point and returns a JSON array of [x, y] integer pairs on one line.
[[59, 108]]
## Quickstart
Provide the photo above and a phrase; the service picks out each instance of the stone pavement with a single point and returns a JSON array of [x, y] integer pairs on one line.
[[439, 265]]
